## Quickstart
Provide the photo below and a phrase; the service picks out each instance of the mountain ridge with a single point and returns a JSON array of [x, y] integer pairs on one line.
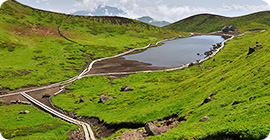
[[203, 23]]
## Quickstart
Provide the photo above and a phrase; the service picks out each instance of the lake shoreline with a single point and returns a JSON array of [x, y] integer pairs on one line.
[[120, 64]]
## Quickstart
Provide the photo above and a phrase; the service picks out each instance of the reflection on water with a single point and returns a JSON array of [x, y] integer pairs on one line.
[[177, 52]]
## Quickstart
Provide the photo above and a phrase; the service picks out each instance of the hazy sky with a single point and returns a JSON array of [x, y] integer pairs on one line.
[[169, 10]]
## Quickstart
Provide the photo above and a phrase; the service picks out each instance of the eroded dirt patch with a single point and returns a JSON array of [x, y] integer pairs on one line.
[[120, 64], [37, 30]]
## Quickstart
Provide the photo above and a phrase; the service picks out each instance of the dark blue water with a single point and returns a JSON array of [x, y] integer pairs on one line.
[[177, 52]]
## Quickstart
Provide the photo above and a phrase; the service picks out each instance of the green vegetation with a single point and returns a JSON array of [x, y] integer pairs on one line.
[[35, 125], [211, 23], [33, 53], [236, 76]]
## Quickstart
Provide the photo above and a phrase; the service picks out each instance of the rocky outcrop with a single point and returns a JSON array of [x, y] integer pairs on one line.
[[251, 50], [82, 100], [208, 99], [126, 88], [152, 129], [225, 29], [205, 118], [208, 53], [104, 99], [20, 102], [24, 112], [232, 28]]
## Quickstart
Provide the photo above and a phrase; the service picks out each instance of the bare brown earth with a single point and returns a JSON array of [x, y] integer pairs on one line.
[[36, 94], [120, 64]]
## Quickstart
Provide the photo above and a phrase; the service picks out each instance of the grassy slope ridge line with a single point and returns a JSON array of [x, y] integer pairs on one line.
[[235, 76], [35, 125], [33, 53], [203, 23]]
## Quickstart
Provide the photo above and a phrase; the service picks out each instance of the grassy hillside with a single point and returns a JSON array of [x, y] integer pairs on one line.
[[203, 23], [235, 76], [35, 125], [33, 52]]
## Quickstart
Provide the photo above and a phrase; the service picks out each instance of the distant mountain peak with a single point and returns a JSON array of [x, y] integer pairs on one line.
[[101, 11], [150, 20]]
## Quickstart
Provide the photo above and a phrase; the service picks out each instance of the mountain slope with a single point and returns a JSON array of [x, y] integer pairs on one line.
[[210, 23], [149, 20], [40, 47], [239, 109]]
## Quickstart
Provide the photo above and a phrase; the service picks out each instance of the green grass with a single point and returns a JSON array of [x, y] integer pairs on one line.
[[210, 23], [162, 94], [35, 125], [32, 53]]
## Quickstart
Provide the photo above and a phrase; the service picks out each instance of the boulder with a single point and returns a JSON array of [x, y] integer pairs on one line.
[[13, 102], [126, 88], [205, 118], [191, 64], [152, 129], [104, 99], [257, 44], [223, 105], [223, 78], [22, 112], [82, 100], [213, 93], [232, 28], [250, 98], [208, 99], [25, 103], [46, 95], [207, 53], [81, 96], [236, 102], [225, 29], [251, 50]]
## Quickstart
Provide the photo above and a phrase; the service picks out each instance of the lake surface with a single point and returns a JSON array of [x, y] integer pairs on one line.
[[177, 52]]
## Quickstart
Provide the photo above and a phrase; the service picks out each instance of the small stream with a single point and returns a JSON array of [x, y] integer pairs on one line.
[[177, 52]]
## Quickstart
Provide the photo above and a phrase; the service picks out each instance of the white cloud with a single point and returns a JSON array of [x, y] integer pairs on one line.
[[1, 2], [89, 4], [42, 1], [159, 12], [268, 2], [236, 7]]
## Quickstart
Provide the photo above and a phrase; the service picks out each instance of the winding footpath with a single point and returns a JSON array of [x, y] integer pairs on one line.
[[86, 127]]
